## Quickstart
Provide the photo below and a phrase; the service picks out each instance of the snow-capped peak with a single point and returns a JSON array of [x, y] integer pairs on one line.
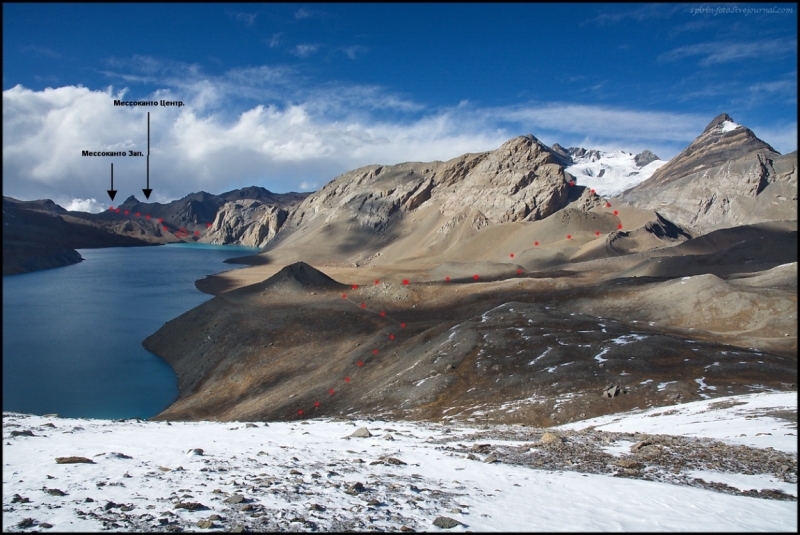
[[610, 173], [727, 126]]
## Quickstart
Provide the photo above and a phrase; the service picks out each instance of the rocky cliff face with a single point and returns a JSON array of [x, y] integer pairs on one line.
[[725, 177], [645, 157], [195, 211], [520, 181], [247, 222]]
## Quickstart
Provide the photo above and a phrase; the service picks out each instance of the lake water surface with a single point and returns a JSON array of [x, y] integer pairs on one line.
[[72, 336]]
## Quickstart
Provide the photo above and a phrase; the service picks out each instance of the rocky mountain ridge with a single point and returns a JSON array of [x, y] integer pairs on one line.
[[572, 155], [374, 211], [725, 177], [42, 235]]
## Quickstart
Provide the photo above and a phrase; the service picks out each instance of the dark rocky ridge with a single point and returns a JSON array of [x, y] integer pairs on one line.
[[299, 277], [645, 157], [42, 235]]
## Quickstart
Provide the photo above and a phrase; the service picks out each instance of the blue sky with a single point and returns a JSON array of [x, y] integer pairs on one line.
[[288, 96]]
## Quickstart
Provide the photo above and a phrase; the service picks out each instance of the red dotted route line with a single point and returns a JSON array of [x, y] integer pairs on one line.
[[391, 337], [179, 233]]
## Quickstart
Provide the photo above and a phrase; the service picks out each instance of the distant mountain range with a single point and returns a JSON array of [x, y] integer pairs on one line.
[[726, 177], [42, 235]]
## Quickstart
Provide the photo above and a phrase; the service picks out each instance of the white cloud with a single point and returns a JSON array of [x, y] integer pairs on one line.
[[86, 205], [305, 50], [247, 18], [352, 52], [783, 87], [308, 186], [639, 14], [42, 51], [275, 40], [608, 122], [302, 13], [298, 136], [731, 51]]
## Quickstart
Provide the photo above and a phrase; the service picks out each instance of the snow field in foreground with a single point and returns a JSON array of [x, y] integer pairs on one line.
[[255, 462]]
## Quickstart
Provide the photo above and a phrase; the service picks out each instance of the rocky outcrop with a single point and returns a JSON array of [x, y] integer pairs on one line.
[[247, 222], [725, 177], [645, 157], [24, 260], [520, 181], [196, 211]]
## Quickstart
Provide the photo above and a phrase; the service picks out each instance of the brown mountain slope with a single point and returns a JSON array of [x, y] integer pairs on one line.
[[530, 350], [367, 210], [487, 287]]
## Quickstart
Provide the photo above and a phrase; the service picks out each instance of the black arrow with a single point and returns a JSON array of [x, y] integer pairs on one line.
[[147, 191], [112, 191]]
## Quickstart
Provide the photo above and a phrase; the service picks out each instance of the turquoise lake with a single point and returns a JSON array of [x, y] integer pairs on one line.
[[72, 336]]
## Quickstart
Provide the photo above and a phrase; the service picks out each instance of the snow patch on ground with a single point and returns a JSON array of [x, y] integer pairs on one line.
[[741, 419], [662, 386], [619, 448], [599, 356], [302, 475], [628, 339]]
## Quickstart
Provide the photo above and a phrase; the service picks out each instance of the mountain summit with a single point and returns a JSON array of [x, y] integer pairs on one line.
[[394, 209], [722, 140], [725, 177]]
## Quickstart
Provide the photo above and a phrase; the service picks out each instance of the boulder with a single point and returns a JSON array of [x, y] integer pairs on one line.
[[551, 438], [355, 488], [73, 460], [190, 506], [445, 522], [361, 432], [629, 463]]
